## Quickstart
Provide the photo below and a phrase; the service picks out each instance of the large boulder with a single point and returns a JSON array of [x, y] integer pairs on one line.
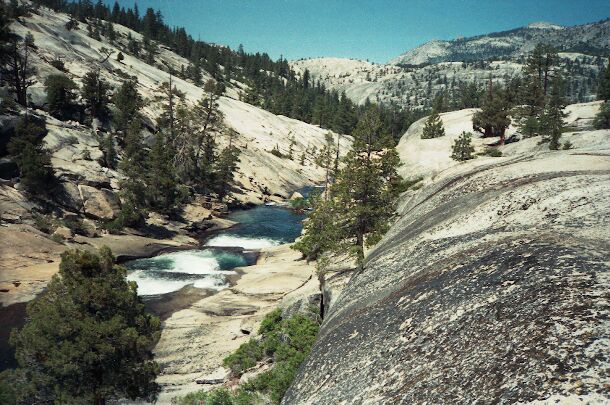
[[99, 203], [491, 287], [68, 195], [63, 232]]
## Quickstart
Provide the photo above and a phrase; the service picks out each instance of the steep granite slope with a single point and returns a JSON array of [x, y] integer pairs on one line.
[[259, 131], [491, 287]]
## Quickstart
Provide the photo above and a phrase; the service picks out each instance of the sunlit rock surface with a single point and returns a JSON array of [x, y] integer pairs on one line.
[[492, 287]]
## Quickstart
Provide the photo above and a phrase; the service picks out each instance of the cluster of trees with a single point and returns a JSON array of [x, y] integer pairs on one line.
[[538, 107], [87, 338], [602, 119], [354, 210], [272, 85], [540, 111], [185, 152], [493, 118], [26, 146], [184, 157]]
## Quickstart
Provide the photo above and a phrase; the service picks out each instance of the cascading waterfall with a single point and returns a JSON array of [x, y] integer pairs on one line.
[[208, 267]]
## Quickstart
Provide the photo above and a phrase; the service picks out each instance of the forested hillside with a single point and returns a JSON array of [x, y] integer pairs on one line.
[[262, 82]]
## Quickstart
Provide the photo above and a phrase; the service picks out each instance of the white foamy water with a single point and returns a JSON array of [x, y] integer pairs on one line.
[[160, 275], [193, 262], [148, 285], [240, 241]]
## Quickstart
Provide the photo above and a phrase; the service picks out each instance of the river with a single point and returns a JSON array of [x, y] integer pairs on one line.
[[209, 266], [171, 280]]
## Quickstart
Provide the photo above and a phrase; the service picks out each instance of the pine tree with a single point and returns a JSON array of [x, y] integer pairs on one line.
[[493, 118], [127, 102], [224, 170], [133, 166], [325, 159], [539, 71], [292, 143], [364, 194], [433, 128], [168, 96], [319, 235], [206, 124], [109, 151], [133, 46], [552, 120], [602, 119], [16, 68], [87, 338], [162, 183], [32, 159], [95, 94], [462, 147], [603, 91], [61, 95]]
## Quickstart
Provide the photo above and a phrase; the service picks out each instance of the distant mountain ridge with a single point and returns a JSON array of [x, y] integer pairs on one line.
[[591, 39], [416, 77]]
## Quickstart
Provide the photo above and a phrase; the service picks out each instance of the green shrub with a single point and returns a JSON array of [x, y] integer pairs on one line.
[[414, 184], [567, 145], [219, 396], [113, 226], [7, 104], [128, 217], [299, 204], [58, 64], [286, 341], [276, 152], [56, 239], [271, 322], [245, 357], [7, 388], [493, 152]]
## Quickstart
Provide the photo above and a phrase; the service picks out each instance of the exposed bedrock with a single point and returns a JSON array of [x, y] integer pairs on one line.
[[492, 287]]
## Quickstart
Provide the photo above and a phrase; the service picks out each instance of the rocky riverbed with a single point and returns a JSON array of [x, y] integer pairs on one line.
[[196, 339]]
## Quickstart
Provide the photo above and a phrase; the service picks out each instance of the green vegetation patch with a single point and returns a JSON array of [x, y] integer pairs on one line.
[[284, 341]]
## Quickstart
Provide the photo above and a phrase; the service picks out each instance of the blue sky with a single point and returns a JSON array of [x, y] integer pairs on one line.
[[377, 30]]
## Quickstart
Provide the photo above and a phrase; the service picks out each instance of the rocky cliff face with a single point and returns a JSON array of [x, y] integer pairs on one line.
[[491, 287]]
